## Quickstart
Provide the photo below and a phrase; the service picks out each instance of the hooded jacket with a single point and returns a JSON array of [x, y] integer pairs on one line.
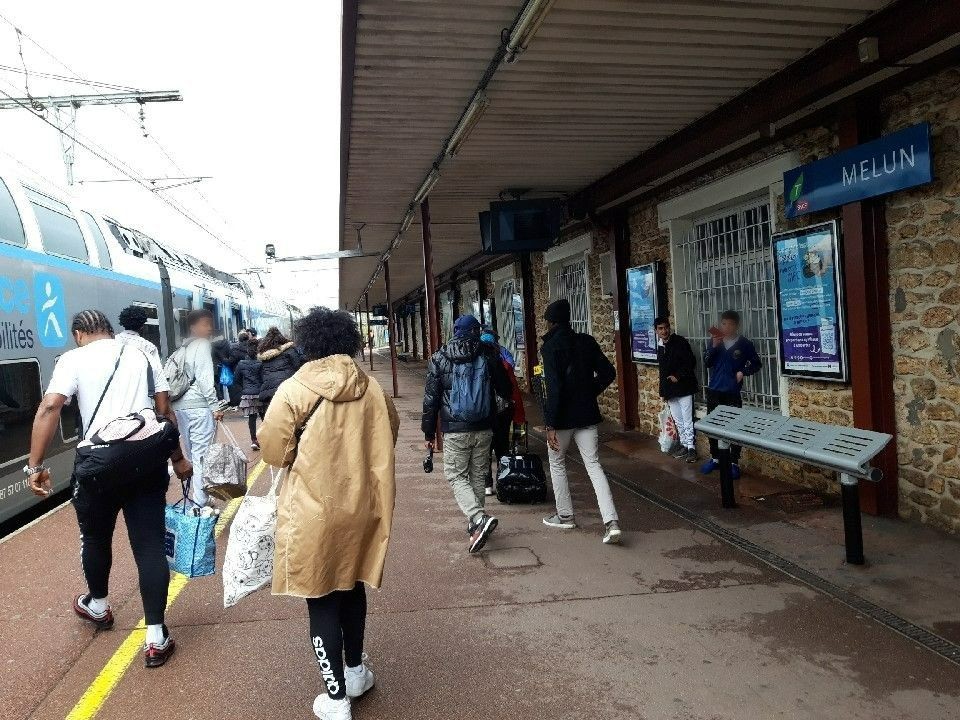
[[436, 394], [248, 376], [278, 364], [575, 371], [335, 509]]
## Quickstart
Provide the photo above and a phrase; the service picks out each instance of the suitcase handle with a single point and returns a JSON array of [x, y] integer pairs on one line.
[[515, 431]]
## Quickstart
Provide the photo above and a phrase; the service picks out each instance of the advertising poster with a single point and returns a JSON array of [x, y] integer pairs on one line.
[[809, 303], [643, 287], [518, 335]]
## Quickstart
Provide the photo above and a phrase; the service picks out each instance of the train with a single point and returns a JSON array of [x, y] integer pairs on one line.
[[58, 257]]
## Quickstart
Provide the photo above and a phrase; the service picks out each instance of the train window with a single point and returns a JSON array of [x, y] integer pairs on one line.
[[102, 251], [58, 229], [20, 395], [11, 227]]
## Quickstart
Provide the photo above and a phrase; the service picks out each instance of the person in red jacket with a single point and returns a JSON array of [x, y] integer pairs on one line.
[[515, 414]]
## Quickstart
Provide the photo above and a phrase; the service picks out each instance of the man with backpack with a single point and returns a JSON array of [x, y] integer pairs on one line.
[[190, 374], [111, 380], [462, 379], [575, 372]]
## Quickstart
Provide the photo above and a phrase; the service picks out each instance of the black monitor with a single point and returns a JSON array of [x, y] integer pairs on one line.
[[521, 225]]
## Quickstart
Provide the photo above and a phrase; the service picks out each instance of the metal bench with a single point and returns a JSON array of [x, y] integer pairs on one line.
[[847, 451]]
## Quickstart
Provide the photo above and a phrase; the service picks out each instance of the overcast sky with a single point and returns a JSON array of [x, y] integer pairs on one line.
[[260, 113]]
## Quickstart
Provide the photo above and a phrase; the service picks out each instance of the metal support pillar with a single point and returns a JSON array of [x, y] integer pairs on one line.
[[423, 328], [627, 390], [366, 301], [413, 336], [728, 498], [867, 288], [433, 317], [363, 345], [529, 317], [481, 299], [391, 327], [852, 527]]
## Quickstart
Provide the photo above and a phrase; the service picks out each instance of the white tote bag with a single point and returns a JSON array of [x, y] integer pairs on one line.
[[248, 564]]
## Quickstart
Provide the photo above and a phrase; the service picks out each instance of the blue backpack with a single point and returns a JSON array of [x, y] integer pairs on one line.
[[470, 394]]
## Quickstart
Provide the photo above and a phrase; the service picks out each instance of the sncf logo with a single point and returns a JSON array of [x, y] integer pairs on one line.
[[333, 687]]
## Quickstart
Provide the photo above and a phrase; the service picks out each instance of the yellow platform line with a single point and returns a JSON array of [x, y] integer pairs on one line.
[[99, 690]]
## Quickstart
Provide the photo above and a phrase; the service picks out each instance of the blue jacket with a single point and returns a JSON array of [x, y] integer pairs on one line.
[[724, 364]]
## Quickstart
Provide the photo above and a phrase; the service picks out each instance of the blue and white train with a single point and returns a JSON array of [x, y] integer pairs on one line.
[[58, 257]]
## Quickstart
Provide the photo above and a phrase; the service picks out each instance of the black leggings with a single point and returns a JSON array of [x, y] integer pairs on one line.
[[143, 513], [500, 443], [252, 424], [337, 623]]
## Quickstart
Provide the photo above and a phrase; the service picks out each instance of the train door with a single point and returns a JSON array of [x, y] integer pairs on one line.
[[151, 331], [236, 320]]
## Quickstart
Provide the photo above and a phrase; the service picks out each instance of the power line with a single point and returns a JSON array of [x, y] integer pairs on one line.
[[66, 78]]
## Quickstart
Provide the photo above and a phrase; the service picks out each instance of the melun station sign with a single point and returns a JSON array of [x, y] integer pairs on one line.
[[894, 162]]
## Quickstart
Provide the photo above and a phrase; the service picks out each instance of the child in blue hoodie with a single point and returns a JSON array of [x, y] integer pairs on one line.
[[729, 359]]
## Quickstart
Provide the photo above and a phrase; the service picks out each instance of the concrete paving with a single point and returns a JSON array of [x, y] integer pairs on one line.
[[543, 624]]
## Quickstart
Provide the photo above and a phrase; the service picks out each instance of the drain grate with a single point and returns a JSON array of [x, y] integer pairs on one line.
[[931, 641]]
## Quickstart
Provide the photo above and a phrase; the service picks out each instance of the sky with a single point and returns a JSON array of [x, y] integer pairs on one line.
[[260, 115]]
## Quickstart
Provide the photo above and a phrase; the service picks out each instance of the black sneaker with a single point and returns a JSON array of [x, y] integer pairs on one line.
[[103, 621], [480, 532], [691, 456], [156, 654]]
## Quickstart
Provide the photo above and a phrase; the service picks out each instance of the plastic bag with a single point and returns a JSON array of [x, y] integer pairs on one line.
[[225, 469], [190, 545], [226, 375], [248, 564], [668, 431]]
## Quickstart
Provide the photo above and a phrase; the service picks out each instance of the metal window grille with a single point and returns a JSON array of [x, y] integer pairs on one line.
[[726, 262], [570, 282]]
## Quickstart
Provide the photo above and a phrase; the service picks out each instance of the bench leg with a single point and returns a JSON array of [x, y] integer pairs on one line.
[[852, 528], [727, 497]]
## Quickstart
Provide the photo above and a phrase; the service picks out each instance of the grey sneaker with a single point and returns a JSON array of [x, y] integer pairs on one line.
[[559, 521], [612, 536]]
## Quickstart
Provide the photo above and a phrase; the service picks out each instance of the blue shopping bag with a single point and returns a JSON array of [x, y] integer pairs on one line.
[[190, 544]]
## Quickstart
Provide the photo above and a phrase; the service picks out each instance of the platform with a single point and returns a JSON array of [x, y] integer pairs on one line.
[[542, 624]]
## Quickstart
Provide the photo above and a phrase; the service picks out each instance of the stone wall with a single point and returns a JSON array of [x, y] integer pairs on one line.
[[924, 236]]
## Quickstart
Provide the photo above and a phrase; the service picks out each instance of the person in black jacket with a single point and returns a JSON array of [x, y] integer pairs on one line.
[[249, 379], [678, 384], [280, 360], [575, 372], [463, 365]]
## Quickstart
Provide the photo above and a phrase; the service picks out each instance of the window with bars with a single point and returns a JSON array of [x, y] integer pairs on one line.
[[726, 262], [569, 280]]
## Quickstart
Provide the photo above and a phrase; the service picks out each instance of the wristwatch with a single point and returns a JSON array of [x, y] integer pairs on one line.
[[28, 471]]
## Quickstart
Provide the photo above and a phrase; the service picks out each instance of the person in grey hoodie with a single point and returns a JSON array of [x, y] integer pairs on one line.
[[199, 409]]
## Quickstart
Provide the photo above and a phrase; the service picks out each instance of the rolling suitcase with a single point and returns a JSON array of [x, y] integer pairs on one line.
[[520, 476]]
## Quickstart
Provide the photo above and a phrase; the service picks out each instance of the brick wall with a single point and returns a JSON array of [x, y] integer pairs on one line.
[[924, 235]]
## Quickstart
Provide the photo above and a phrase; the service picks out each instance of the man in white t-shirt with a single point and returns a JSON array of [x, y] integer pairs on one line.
[[111, 379], [133, 319]]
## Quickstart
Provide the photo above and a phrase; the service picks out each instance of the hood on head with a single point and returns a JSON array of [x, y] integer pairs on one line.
[[270, 354], [462, 350], [337, 378]]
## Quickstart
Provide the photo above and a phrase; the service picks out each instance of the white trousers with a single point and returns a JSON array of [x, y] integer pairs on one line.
[[681, 409], [586, 440], [197, 429]]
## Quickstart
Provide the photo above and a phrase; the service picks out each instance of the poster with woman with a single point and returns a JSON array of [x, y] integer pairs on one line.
[[809, 303], [644, 290]]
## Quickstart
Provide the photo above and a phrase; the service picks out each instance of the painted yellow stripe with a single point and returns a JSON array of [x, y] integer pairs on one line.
[[108, 679]]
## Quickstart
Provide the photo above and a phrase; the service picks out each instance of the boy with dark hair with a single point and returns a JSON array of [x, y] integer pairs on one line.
[[730, 358], [678, 384]]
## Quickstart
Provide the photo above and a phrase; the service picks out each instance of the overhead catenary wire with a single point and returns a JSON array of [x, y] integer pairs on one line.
[[138, 121]]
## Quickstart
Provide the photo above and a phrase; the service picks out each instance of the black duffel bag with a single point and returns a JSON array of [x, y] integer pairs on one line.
[[126, 450]]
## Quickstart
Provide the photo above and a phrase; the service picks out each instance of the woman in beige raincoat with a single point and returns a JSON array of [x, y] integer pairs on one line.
[[335, 429]]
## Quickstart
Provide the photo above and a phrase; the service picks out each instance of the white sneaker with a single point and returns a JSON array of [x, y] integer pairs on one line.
[[359, 679], [327, 709], [612, 536]]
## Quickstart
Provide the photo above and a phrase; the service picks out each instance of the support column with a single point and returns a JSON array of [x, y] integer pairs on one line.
[[366, 301], [363, 346], [413, 336], [391, 327], [626, 370], [529, 317], [481, 297], [867, 277], [433, 318]]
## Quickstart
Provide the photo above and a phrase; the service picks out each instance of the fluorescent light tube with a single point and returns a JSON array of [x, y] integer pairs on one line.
[[531, 18], [467, 123], [427, 186]]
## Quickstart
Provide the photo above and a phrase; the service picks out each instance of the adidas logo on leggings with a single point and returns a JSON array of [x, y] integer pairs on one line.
[[333, 687]]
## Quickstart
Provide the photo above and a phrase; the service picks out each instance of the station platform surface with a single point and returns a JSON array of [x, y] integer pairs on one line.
[[542, 624]]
